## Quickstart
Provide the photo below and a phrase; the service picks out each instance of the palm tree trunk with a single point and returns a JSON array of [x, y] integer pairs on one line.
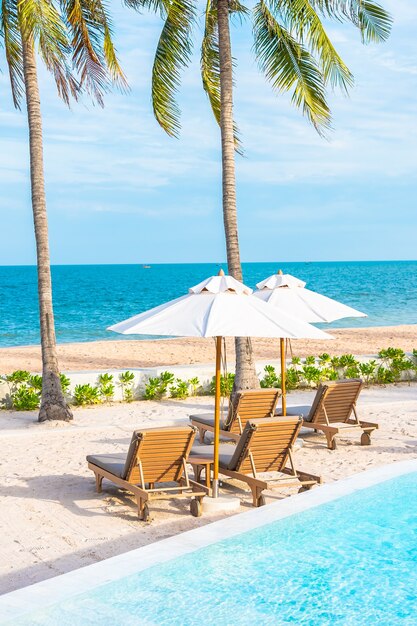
[[53, 404], [246, 377]]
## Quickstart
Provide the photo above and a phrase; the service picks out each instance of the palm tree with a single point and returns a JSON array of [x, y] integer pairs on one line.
[[77, 32], [294, 52]]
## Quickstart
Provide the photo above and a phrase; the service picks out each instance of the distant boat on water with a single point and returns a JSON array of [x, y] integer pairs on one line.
[[146, 267]]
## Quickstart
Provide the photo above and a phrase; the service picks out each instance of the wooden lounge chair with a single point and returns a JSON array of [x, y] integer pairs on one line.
[[155, 455], [249, 404], [332, 409], [264, 446]]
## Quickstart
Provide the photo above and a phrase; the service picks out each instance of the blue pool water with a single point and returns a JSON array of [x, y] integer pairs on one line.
[[88, 298], [350, 562]]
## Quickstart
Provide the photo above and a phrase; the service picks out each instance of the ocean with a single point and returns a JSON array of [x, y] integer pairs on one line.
[[88, 298]]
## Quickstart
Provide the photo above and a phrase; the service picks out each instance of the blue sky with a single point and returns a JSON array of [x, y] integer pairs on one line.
[[121, 191]]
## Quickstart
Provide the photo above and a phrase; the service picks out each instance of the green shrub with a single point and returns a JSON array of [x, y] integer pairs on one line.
[[126, 382], [65, 383], [86, 394], [194, 384], [26, 399], [270, 379], [106, 387], [367, 371], [157, 387], [179, 389], [226, 385]]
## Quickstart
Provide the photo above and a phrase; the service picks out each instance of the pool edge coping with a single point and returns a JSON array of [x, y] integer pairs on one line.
[[40, 595]]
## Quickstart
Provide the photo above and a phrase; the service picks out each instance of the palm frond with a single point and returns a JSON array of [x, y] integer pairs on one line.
[[302, 21], [156, 6], [288, 65], [85, 23], [173, 53], [40, 21], [10, 34], [373, 21]]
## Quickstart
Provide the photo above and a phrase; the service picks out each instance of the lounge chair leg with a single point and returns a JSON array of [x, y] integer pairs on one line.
[[143, 509], [257, 498], [99, 480], [197, 472], [201, 433], [331, 441], [366, 439]]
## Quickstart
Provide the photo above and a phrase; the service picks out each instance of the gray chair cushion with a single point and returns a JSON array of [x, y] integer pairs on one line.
[[226, 451], [113, 463], [303, 410], [207, 418]]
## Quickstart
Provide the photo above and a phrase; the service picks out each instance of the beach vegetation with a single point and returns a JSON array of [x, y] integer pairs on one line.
[[194, 385], [180, 389], [106, 387], [226, 385], [25, 390], [126, 382], [86, 394], [295, 53], [74, 42]]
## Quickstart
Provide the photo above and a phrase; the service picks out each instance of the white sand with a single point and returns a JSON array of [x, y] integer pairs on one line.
[[52, 521]]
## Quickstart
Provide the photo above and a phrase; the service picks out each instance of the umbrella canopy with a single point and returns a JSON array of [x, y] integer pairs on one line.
[[219, 306], [290, 295]]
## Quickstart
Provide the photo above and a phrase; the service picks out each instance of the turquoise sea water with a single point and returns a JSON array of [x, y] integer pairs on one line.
[[88, 298], [350, 562]]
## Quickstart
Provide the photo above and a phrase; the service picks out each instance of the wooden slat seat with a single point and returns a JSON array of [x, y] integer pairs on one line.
[[155, 456], [265, 446], [334, 411], [248, 404]]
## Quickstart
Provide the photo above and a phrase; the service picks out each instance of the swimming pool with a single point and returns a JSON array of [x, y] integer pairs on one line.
[[343, 554]]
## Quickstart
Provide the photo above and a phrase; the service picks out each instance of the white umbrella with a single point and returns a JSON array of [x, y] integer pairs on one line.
[[220, 306], [289, 295]]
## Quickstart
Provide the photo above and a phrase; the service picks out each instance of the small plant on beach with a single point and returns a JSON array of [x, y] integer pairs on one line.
[[311, 375], [367, 371], [179, 389], [270, 379], [194, 385], [157, 387], [26, 399], [126, 382], [106, 387], [65, 384], [226, 385], [86, 394]]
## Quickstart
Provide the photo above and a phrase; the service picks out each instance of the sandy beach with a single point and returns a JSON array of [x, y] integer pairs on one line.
[[99, 355], [52, 521]]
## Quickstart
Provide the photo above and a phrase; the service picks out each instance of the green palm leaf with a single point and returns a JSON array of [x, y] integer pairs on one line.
[[10, 34], [303, 22], [288, 65], [40, 21], [173, 53], [372, 20]]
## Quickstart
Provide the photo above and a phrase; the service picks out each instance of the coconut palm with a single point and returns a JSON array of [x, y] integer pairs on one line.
[[294, 52], [70, 35]]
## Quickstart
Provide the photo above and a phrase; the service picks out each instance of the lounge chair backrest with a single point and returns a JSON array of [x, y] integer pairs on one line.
[[160, 453], [251, 404], [268, 442], [336, 400]]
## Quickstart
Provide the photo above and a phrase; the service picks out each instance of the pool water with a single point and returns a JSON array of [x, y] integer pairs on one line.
[[348, 562]]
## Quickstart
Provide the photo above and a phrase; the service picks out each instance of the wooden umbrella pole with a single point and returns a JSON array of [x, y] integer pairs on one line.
[[284, 392], [217, 399]]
